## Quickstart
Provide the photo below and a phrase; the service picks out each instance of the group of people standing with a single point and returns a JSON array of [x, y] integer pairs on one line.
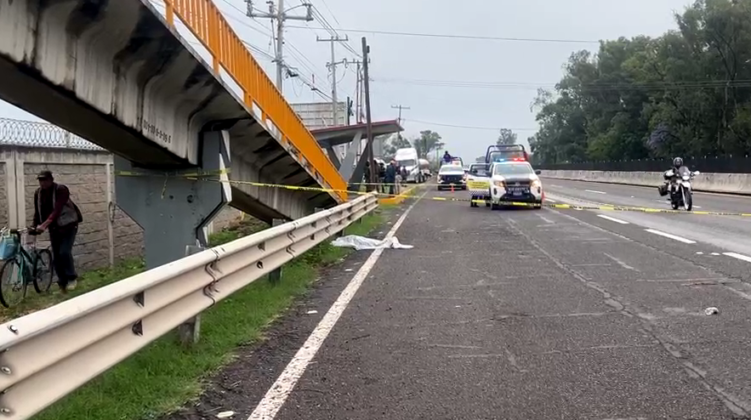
[[389, 177]]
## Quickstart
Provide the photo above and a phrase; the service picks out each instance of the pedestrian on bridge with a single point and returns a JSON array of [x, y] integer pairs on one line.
[[55, 211]]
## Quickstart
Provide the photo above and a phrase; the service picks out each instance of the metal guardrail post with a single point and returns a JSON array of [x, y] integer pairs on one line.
[[190, 331], [338, 234], [276, 275]]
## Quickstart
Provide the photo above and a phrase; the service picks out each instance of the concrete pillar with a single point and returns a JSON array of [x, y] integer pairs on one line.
[[110, 215], [10, 188], [16, 190], [171, 208], [348, 164]]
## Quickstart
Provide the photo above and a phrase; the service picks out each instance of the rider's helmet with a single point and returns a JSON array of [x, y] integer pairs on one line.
[[677, 162]]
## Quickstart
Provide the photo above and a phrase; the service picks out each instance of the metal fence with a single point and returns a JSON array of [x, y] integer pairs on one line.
[[38, 134], [728, 164]]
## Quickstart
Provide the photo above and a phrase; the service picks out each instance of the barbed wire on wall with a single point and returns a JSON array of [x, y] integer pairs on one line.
[[39, 134]]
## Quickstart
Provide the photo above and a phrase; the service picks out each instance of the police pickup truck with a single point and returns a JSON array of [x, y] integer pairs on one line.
[[478, 184], [514, 181]]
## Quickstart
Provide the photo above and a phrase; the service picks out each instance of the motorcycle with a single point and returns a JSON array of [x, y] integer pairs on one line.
[[681, 194]]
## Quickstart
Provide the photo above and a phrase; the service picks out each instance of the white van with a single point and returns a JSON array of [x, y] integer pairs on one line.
[[409, 160]]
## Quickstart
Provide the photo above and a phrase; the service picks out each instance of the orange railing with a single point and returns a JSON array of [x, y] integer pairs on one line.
[[208, 24]]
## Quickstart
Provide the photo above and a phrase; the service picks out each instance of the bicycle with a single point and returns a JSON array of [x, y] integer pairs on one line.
[[27, 264]]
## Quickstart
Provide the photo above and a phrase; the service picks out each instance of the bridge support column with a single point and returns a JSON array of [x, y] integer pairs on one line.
[[171, 208]]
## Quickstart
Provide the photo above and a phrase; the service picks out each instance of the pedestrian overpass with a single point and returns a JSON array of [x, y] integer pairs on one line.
[[119, 74]]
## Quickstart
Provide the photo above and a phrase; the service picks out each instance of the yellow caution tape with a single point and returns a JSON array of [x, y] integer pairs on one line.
[[196, 175], [175, 174]]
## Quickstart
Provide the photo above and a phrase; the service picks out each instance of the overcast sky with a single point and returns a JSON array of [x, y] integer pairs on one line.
[[403, 68]]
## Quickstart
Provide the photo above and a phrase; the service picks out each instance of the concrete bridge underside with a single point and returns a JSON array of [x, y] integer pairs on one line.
[[114, 73]]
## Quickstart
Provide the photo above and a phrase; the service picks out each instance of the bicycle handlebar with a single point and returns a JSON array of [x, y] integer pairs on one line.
[[29, 230]]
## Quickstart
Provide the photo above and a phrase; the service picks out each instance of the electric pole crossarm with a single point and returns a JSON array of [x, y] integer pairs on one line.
[[280, 15], [332, 65]]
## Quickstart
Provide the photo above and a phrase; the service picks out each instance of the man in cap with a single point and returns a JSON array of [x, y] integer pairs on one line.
[[56, 212]]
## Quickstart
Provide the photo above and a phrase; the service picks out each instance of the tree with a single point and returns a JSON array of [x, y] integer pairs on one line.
[[426, 143], [683, 93], [506, 138], [392, 145]]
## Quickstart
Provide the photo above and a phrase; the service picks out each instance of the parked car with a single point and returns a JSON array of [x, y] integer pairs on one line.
[[452, 175]]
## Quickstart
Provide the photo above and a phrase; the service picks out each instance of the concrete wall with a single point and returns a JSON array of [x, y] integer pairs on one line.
[[710, 182], [85, 174], [3, 195]]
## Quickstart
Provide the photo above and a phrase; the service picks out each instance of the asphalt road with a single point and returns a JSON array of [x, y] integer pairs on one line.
[[729, 233], [544, 314]]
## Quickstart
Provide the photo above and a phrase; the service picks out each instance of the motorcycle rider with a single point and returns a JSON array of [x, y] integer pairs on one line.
[[670, 176]]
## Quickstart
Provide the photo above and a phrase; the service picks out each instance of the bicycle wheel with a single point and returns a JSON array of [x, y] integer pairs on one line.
[[12, 284], [43, 271]]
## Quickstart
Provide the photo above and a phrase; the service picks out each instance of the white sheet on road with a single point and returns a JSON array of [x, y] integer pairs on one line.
[[360, 243]]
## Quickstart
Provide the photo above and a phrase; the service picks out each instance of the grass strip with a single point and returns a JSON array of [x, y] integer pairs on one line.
[[165, 375], [86, 282]]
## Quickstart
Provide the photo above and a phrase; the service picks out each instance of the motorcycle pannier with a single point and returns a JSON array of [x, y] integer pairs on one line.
[[663, 189]]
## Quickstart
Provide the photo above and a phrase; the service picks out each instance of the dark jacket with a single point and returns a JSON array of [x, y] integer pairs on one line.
[[390, 174], [63, 213]]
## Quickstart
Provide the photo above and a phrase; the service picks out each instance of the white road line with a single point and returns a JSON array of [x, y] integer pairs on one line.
[[621, 263], [596, 192], [612, 219], [667, 235], [738, 256], [551, 200], [275, 397]]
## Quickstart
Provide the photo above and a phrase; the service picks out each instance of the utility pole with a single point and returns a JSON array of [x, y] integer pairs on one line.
[[332, 66], [280, 15], [358, 96], [368, 119], [400, 108], [359, 92]]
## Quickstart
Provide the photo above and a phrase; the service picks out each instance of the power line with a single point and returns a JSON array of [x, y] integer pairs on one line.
[[332, 65], [596, 86], [299, 56], [459, 36], [333, 31], [279, 14], [471, 127], [330, 12]]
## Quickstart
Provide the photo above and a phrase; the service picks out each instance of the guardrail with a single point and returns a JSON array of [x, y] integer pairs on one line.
[[208, 24], [50, 353]]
